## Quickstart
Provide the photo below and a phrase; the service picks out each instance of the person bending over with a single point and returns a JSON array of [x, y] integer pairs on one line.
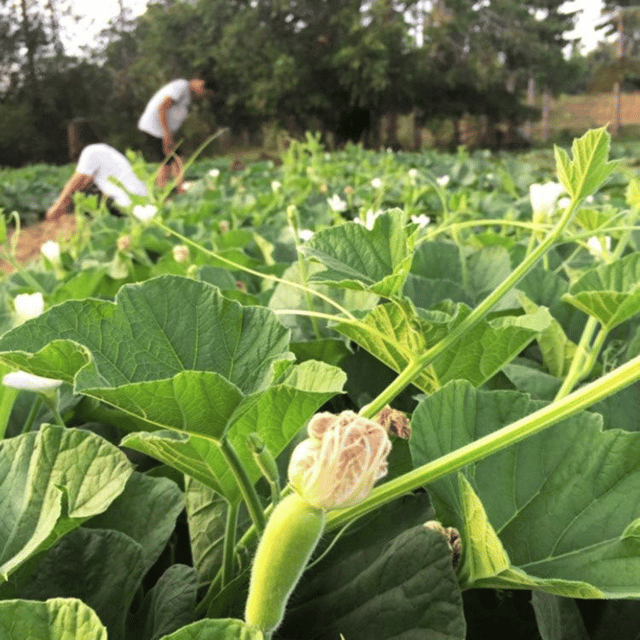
[[163, 116], [97, 164]]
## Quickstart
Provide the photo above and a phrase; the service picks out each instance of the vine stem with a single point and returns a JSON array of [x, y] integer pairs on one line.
[[245, 485], [228, 552], [407, 376], [492, 443], [253, 272]]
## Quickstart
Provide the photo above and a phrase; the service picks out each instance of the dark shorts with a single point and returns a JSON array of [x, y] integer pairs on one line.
[[153, 149]]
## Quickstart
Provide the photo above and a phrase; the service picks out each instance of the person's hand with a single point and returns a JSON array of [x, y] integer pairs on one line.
[[167, 143]]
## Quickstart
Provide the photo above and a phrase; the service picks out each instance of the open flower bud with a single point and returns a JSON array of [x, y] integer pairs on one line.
[[337, 466], [24, 381], [28, 305]]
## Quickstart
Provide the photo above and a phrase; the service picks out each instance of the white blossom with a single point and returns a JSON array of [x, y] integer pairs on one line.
[[443, 181], [338, 464], [144, 213], [337, 203], [376, 183], [214, 173], [51, 250], [597, 248], [305, 234], [180, 253], [275, 186], [369, 218], [28, 305], [421, 220], [413, 173], [543, 199], [24, 381]]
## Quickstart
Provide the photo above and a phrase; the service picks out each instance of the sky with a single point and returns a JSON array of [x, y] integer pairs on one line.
[[96, 18]]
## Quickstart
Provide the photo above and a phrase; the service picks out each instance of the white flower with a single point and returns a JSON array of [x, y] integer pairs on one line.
[[337, 203], [376, 183], [369, 218], [185, 187], [413, 173], [51, 251], [180, 253], [443, 181], [24, 381], [28, 305], [275, 186], [421, 220], [563, 203], [305, 234], [543, 199], [597, 248], [144, 213], [338, 464], [214, 173]]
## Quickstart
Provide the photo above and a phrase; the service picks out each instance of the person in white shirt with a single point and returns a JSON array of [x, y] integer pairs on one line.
[[163, 116], [97, 164]]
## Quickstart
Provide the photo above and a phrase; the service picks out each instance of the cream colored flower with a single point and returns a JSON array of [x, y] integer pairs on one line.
[[597, 248], [369, 218], [337, 203], [28, 305], [305, 234], [443, 181], [180, 253], [144, 213], [543, 199], [376, 183], [421, 220], [275, 186], [214, 173], [51, 251], [338, 464], [24, 381]]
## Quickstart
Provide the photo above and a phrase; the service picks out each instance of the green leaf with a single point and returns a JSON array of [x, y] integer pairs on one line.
[[154, 331], [375, 260], [101, 567], [387, 577], [50, 482], [168, 606], [561, 502], [589, 168], [558, 618], [610, 293], [146, 511], [395, 334], [632, 193], [55, 619], [221, 629], [277, 414]]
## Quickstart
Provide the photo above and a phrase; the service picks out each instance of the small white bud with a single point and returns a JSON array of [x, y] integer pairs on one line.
[[24, 381], [51, 251], [144, 213], [28, 305]]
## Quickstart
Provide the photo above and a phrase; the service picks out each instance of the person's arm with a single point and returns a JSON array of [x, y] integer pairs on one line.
[[167, 137], [76, 182]]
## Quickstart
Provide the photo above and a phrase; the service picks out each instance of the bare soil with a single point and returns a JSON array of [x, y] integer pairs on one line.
[[33, 237]]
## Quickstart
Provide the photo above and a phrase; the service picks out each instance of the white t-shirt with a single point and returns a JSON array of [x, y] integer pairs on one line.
[[100, 161], [179, 91]]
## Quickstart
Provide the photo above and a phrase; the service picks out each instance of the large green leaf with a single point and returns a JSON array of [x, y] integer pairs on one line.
[[221, 629], [277, 414], [154, 331], [146, 511], [389, 577], [610, 293], [101, 567], [55, 619], [557, 511], [375, 260], [395, 333], [50, 482], [167, 607]]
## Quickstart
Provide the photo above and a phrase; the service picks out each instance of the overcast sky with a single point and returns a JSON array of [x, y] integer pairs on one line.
[[97, 17]]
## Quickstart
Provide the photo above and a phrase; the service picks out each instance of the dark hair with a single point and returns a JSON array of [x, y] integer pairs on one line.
[[80, 133]]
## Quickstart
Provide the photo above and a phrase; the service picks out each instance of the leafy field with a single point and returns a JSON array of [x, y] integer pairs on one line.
[[491, 326]]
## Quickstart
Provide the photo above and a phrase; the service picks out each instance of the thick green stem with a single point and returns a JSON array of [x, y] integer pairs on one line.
[[483, 447], [413, 369], [245, 485], [228, 552], [575, 370], [33, 412]]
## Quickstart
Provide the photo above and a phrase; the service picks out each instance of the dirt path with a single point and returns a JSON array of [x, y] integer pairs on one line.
[[33, 237]]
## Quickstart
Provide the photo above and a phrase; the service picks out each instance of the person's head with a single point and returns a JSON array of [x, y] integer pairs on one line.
[[197, 87], [80, 133]]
